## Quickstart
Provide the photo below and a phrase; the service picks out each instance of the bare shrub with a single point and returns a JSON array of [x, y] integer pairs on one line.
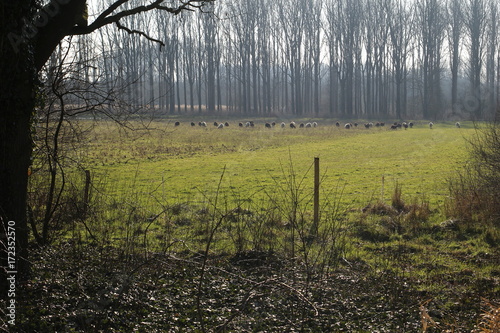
[[475, 192]]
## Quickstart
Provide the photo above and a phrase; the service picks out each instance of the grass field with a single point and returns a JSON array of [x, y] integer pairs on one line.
[[180, 163], [201, 225]]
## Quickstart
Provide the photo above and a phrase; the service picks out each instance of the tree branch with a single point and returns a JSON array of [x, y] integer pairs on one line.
[[62, 22], [106, 18], [121, 27]]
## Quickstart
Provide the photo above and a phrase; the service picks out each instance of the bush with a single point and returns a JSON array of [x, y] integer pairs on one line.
[[475, 193]]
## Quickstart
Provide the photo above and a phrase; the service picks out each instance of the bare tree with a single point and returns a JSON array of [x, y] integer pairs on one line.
[[455, 20], [401, 31], [431, 37], [26, 47], [475, 22]]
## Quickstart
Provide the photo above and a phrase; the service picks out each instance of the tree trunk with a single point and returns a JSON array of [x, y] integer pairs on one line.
[[17, 72]]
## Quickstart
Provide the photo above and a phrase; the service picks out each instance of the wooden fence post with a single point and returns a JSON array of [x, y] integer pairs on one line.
[[86, 193], [316, 195]]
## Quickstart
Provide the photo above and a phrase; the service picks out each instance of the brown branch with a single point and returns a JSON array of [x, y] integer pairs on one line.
[[54, 25], [106, 18], [130, 31]]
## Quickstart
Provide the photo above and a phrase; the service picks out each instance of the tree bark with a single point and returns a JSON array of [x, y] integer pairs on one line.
[[17, 101]]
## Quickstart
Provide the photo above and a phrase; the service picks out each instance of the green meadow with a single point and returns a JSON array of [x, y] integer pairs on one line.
[[185, 163], [214, 222]]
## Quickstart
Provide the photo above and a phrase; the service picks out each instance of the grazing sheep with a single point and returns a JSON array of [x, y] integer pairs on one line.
[[240, 124], [347, 126], [202, 124], [220, 126], [377, 124], [337, 124], [355, 124], [251, 123], [315, 124], [367, 126], [301, 125], [410, 124], [216, 124], [247, 124], [283, 125], [382, 124], [308, 125], [268, 125], [292, 125], [193, 124], [431, 124], [394, 127], [273, 124], [405, 125], [226, 124], [457, 124], [177, 123]]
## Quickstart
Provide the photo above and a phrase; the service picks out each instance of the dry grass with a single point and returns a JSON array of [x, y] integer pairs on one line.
[[490, 319]]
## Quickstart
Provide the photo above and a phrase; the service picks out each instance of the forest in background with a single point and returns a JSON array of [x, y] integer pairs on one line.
[[422, 59]]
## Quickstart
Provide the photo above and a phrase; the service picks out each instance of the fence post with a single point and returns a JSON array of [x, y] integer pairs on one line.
[[86, 192], [316, 196]]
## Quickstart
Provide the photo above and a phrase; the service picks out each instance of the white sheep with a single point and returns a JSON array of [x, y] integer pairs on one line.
[[457, 124], [431, 124]]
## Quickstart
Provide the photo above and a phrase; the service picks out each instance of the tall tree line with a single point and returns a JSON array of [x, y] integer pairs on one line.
[[430, 59]]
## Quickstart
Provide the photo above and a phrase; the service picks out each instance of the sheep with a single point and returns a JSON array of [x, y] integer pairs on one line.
[[202, 124], [240, 124], [267, 125], [301, 125], [283, 125], [337, 124], [405, 125], [457, 124], [431, 124], [315, 124], [226, 124], [292, 125], [220, 126], [410, 124], [247, 124], [347, 126], [367, 126], [355, 124], [308, 125], [273, 124], [216, 124], [193, 124], [394, 127], [177, 123], [382, 124]]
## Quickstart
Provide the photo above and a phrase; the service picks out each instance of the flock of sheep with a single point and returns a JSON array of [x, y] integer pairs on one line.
[[394, 126]]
